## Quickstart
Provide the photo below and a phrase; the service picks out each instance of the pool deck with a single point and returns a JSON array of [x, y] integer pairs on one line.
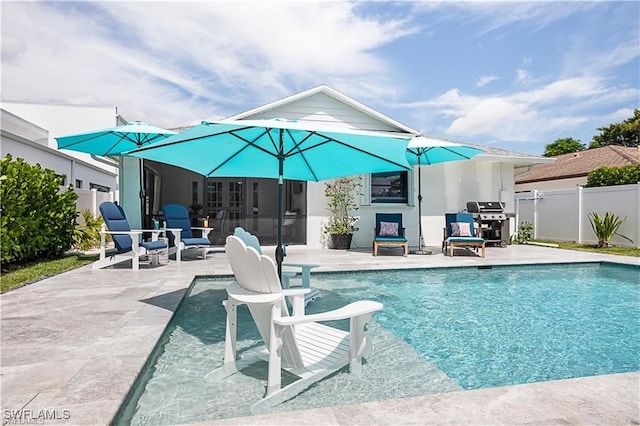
[[73, 344]]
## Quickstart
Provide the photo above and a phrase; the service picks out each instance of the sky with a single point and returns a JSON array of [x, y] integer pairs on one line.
[[513, 75]]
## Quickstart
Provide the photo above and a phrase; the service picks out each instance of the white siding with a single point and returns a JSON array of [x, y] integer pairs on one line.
[[321, 108]]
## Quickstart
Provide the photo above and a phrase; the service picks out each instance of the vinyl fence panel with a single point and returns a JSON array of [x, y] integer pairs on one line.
[[563, 214]]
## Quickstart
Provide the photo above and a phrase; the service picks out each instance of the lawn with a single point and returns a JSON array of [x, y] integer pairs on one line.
[[616, 250], [18, 276]]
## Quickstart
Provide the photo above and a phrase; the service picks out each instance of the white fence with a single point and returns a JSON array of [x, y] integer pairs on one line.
[[91, 199], [563, 214]]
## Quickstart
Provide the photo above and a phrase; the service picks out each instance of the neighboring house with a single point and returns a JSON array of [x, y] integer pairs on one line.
[[252, 203], [571, 170], [27, 131]]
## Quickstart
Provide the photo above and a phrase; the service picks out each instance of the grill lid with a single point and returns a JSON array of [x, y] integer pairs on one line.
[[485, 207]]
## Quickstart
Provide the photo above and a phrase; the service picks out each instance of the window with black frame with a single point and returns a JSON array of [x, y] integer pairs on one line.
[[389, 187]]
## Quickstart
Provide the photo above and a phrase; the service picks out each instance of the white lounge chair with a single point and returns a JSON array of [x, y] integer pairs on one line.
[[305, 268], [297, 343]]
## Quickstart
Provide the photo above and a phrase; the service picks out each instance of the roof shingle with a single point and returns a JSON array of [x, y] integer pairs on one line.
[[576, 164]]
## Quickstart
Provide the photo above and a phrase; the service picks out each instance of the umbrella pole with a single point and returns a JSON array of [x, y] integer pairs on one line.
[[420, 238], [279, 249]]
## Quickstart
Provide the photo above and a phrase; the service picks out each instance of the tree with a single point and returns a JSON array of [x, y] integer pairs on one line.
[[563, 146], [626, 133]]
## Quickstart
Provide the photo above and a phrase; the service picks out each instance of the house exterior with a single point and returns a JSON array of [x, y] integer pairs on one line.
[[252, 203], [27, 131], [571, 169]]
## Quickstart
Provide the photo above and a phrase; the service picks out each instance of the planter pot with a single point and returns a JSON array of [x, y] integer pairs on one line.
[[340, 242]]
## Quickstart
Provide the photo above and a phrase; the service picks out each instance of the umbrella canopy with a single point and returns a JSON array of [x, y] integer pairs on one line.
[[424, 151], [115, 140], [279, 149]]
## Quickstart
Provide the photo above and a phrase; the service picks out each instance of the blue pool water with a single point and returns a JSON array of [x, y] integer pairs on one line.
[[440, 330]]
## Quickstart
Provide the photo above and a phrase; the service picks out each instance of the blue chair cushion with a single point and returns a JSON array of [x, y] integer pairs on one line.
[[391, 239], [177, 216], [154, 245], [465, 240], [115, 221], [196, 242]]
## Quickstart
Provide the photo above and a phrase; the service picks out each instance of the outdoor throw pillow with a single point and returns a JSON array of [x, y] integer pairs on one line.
[[388, 229], [460, 229]]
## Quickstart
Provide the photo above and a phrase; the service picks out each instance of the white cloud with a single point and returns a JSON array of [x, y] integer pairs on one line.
[[485, 79], [527, 115], [170, 63]]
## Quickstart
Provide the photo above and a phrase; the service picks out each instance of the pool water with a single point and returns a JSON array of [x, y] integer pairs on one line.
[[441, 330]]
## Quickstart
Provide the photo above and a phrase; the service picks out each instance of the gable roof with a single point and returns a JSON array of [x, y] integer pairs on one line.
[[322, 104], [314, 105], [578, 164]]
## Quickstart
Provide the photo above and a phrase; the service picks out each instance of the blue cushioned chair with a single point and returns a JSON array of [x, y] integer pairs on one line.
[[180, 231], [389, 232], [126, 241], [451, 240]]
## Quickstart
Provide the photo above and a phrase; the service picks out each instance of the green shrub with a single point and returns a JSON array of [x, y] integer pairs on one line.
[[38, 220], [525, 233], [610, 176]]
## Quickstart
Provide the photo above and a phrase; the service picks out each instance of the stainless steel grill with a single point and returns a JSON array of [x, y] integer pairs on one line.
[[493, 223]]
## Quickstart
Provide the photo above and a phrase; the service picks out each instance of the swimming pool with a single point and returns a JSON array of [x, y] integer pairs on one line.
[[440, 330]]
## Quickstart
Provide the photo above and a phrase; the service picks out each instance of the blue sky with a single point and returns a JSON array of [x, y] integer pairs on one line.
[[514, 75]]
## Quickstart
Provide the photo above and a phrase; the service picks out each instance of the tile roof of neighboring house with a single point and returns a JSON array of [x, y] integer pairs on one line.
[[576, 164]]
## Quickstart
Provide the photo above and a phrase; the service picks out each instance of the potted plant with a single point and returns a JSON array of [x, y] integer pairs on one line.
[[341, 194]]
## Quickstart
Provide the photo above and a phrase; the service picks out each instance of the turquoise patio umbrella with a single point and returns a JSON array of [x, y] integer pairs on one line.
[[114, 140], [424, 151], [279, 149]]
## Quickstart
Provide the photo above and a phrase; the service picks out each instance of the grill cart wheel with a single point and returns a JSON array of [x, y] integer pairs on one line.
[[503, 243]]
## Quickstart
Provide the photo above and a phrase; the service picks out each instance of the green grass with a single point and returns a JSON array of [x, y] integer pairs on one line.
[[18, 276], [618, 250]]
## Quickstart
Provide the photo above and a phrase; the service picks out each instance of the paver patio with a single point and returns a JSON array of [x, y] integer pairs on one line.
[[73, 344]]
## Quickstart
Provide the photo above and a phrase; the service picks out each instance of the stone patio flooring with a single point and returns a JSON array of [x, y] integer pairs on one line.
[[73, 344]]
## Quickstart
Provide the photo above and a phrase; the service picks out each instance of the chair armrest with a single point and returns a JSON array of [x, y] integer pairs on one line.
[[292, 292], [202, 228], [301, 265], [172, 230], [355, 309], [122, 232]]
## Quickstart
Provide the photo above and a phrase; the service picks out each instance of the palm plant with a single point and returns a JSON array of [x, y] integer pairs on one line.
[[606, 227], [87, 232]]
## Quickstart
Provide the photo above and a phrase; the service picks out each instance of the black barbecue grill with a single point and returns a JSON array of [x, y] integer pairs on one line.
[[492, 222]]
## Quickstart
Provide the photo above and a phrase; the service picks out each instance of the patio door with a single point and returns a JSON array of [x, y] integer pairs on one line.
[[252, 203]]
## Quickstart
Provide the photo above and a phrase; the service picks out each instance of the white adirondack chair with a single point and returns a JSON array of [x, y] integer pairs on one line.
[[297, 343]]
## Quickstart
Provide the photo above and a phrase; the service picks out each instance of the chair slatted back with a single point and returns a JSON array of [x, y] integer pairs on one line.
[[115, 221], [177, 216], [258, 274]]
